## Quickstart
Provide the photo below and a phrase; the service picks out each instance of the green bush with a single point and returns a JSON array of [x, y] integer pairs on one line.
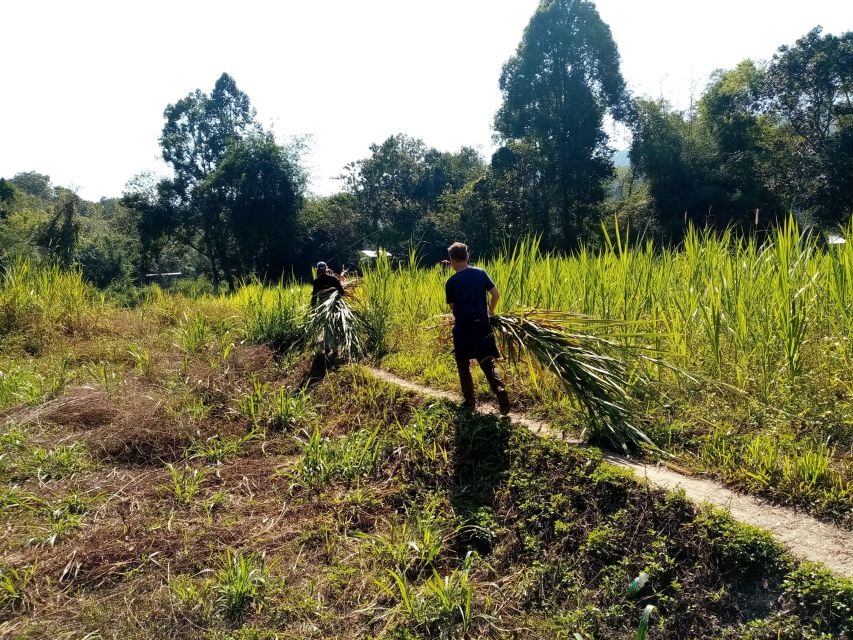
[[739, 549], [276, 318], [603, 544], [124, 293], [823, 599], [104, 261]]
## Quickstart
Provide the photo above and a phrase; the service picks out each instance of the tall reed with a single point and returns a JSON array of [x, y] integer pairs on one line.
[[754, 314]]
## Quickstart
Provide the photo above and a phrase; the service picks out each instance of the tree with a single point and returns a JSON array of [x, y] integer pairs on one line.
[[257, 191], [195, 138], [234, 194], [385, 186], [809, 87], [103, 260], [627, 209], [447, 172], [557, 88], [516, 186], [153, 210], [401, 182], [668, 157], [504, 201], [33, 183], [7, 197], [331, 229], [61, 235], [199, 129], [109, 246], [729, 111], [713, 164]]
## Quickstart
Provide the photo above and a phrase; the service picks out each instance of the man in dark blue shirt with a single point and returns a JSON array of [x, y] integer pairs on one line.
[[472, 332]]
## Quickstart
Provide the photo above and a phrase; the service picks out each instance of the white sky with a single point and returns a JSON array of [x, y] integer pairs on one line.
[[84, 84]]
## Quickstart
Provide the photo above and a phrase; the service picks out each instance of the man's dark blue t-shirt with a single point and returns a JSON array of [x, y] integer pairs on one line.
[[466, 291]]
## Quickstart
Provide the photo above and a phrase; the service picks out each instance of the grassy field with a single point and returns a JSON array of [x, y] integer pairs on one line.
[[173, 470], [760, 331]]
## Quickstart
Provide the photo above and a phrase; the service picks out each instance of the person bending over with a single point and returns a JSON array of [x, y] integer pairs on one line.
[[473, 338], [325, 284]]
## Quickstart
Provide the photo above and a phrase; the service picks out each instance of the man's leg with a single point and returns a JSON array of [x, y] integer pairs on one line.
[[496, 384], [466, 381]]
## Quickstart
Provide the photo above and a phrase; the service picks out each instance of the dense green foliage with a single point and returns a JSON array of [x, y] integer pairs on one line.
[[762, 328], [764, 140], [402, 183], [54, 225], [557, 89], [235, 193]]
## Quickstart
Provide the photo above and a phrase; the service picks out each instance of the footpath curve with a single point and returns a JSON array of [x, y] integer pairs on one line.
[[804, 536]]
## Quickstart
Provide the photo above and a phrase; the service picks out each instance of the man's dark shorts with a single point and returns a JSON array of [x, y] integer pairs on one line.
[[473, 339]]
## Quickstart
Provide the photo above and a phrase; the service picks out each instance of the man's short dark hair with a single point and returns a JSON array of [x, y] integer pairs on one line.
[[458, 251]]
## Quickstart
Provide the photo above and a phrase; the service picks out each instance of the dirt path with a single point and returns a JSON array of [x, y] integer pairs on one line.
[[804, 536]]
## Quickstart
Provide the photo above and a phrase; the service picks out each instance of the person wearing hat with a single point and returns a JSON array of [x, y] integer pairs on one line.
[[473, 338], [325, 282]]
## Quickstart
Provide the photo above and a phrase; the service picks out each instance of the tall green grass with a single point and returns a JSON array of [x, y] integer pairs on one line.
[[274, 315], [754, 313], [37, 302]]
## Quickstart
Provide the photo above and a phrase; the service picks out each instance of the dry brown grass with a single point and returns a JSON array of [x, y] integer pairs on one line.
[[84, 408]]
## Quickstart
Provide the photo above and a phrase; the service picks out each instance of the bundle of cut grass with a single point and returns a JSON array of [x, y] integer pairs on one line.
[[596, 371], [336, 323]]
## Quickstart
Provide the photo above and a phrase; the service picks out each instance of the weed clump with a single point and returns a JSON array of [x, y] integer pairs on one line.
[[348, 458], [13, 588], [440, 608], [822, 598], [237, 587], [21, 461], [239, 583], [184, 482]]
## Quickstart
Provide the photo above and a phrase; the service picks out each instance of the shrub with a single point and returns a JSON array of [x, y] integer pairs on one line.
[[739, 548], [825, 600]]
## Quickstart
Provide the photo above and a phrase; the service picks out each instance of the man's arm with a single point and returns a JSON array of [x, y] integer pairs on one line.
[[494, 296], [339, 286]]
